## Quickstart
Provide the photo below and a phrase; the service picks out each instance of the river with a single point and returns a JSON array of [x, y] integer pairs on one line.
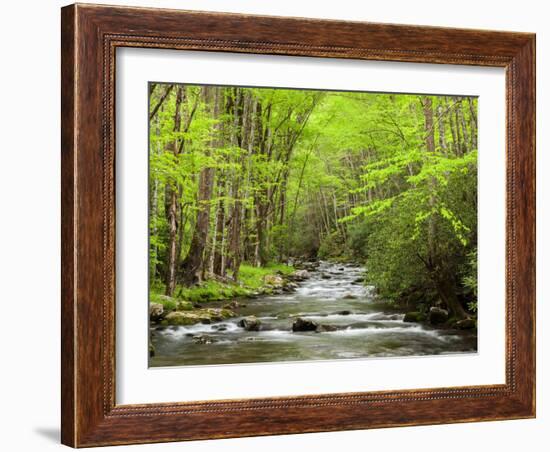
[[333, 296]]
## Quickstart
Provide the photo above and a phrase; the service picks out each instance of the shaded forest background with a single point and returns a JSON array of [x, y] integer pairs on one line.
[[243, 178]]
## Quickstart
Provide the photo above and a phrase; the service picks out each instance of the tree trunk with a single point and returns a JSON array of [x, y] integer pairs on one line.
[[153, 209], [441, 123], [193, 265], [218, 267], [445, 285], [161, 100], [238, 138], [260, 253], [430, 149], [473, 122], [173, 207]]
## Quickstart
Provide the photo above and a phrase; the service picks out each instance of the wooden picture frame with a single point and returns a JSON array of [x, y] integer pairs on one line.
[[90, 36]]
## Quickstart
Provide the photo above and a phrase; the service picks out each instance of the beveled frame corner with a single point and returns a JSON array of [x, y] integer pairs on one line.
[[90, 36]]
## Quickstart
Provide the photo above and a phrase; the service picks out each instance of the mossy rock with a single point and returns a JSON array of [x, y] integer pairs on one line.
[[184, 306], [219, 314], [183, 318], [415, 316], [438, 315], [273, 280], [465, 324]]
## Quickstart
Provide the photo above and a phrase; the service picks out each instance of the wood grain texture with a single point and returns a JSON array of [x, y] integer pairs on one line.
[[90, 36]]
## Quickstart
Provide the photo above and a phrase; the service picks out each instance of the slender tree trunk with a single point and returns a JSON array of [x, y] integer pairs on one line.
[[430, 149], [459, 138], [153, 208], [473, 122], [193, 264], [260, 253], [173, 207], [218, 266], [161, 100], [238, 137], [466, 142], [441, 123]]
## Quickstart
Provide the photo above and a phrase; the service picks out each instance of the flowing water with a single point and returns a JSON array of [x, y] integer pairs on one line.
[[334, 296]]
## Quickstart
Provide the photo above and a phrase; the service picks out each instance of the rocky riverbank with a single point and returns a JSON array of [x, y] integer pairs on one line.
[[175, 311]]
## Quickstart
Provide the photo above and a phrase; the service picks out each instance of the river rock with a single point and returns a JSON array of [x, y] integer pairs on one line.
[[205, 316], [218, 314], [250, 323], [359, 280], [345, 312], [326, 276], [301, 275], [438, 315], [290, 287], [304, 325], [233, 305], [465, 324], [156, 311], [203, 339], [273, 280], [308, 265], [414, 317], [325, 328], [184, 306], [349, 296], [183, 318]]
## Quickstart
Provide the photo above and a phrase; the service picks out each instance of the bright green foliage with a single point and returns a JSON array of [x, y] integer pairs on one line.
[[387, 180]]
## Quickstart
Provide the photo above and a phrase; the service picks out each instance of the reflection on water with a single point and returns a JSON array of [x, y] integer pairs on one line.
[[333, 297]]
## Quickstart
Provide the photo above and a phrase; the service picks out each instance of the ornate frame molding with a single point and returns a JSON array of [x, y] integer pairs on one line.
[[90, 36]]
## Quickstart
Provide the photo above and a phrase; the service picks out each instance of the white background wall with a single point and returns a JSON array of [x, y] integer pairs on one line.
[[29, 224]]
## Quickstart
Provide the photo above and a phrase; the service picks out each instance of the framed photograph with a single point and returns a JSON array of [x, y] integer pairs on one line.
[[281, 225]]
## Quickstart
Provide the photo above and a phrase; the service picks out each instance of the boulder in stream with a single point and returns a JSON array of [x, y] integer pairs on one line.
[[344, 312], [414, 316], [349, 296], [438, 315], [273, 280], [326, 276], [290, 287], [465, 324], [304, 325], [300, 275], [250, 323]]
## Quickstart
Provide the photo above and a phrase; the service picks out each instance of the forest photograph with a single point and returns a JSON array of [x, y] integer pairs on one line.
[[296, 224]]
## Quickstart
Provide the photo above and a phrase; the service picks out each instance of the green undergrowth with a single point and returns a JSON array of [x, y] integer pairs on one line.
[[251, 281], [253, 277]]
